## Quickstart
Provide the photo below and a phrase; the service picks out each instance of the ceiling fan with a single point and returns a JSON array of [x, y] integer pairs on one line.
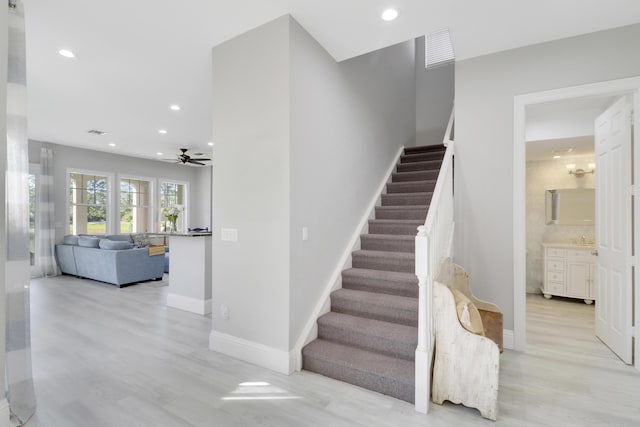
[[184, 158]]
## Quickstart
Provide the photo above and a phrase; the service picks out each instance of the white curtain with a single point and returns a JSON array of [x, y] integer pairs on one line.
[[45, 226], [19, 388]]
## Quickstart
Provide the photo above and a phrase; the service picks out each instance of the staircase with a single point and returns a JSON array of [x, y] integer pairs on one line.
[[370, 335]]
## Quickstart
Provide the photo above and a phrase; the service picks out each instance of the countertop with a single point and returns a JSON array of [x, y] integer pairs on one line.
[[569, 245], [193, 234]]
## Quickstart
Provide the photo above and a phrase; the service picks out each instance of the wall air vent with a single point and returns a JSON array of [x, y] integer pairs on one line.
[[96, 132], [438, 49]]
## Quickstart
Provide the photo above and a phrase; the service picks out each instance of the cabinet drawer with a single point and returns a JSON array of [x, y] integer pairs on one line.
[[555, 276], [556, 252], [580, 255], [555, 287], [555, 265]]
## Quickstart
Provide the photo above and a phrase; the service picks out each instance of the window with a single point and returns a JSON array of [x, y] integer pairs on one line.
[[438, 49], [173, 194], [88, 203], [135, 205]]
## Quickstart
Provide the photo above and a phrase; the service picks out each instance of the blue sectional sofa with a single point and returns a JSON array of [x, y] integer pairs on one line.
[[110, 259]]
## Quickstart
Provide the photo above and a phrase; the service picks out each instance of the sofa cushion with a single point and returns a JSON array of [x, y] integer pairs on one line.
[[70, 239], [119, 237], [88, 242], [468, 314], [114, 245]]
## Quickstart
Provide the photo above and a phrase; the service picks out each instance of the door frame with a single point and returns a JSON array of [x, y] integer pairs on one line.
[[608, 88]]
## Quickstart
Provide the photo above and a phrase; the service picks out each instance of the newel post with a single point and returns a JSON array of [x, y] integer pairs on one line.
[[423, 352]]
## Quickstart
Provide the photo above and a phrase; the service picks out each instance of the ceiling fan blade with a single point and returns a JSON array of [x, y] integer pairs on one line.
[[202, 159], [195, 162]]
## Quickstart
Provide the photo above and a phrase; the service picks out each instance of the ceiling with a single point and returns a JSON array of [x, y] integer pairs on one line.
[[563, 128], [136, 58]]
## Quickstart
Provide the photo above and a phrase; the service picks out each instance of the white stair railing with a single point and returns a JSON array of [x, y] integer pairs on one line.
[[433, 244]]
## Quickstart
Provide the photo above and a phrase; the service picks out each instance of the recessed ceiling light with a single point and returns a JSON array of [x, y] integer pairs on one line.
[[556, 157], [389, 15], [162, 131], [159, 153], [210, 144], [112, 144], [67, 53], [175, 107]]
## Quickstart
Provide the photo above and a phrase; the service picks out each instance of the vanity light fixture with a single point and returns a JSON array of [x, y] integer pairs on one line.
[[579, 173]]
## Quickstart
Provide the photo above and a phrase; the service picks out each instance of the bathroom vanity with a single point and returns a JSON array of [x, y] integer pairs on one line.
[[569, 271]]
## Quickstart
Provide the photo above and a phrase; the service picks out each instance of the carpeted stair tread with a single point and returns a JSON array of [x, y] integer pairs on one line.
[[421, 157], [417, 175], [419, 166], [388, 242], [425, 149], [395, 226], [386, 282], [372, 305], [388, 375], [406, 199], [384, 260], [411, 186], [415, 212], [387, 338]]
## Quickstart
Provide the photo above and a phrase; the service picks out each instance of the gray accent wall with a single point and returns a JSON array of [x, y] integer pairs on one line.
[[348, 121], [434, 98], [301, 141], [66, 157], [485, 91]]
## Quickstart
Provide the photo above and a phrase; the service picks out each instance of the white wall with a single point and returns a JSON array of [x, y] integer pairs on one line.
[[545, 175], [251, 184], [201, 208], [485, 90], [4, 413], [434, 98], [348, 121], [66, 157]]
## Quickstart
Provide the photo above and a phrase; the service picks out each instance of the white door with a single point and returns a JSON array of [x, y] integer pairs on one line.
[[614, 228]]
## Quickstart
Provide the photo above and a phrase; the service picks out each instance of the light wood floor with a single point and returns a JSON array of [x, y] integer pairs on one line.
[[104, 356]]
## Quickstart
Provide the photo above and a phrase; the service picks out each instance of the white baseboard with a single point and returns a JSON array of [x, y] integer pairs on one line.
[[194, 305], [310, 330], [253, 352], [507, 339], [5, 413]]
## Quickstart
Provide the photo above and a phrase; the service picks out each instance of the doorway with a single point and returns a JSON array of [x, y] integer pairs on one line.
[[615, 88]]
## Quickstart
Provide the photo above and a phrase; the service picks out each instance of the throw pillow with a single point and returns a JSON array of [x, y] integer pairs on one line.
[[468, 314], [70, 239], [88, 242], [114, 245]]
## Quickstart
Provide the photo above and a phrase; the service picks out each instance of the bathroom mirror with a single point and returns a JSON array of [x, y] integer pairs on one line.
[[571, 206]]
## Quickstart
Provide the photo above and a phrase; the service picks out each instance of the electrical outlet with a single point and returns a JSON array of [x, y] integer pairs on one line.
[[224, 311], [229, 234]]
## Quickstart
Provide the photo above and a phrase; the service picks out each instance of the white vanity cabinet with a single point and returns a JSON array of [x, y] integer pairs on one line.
[[569, 271]]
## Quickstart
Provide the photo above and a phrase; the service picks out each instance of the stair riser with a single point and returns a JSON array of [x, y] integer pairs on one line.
[[425, 149], [405, 199], [433, 165], [404, 289], [401, 265], [373, 244], [363, 340], [384, 313], [410, 187], [406, 213], [399, 390], [415, 176], [422, 157], [397, 229]]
